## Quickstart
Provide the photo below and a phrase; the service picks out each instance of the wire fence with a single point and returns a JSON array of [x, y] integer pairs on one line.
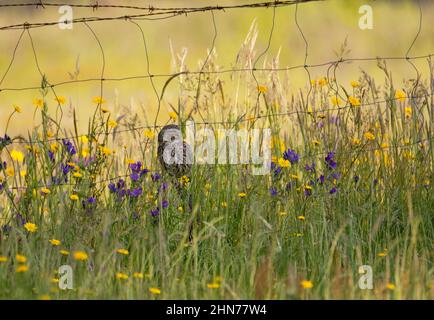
[[160, 13]]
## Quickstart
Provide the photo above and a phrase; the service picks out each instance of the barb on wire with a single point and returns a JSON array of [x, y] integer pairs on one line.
[[152, 12]]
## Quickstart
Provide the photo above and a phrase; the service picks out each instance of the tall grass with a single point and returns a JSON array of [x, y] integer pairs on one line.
[[307, 240]]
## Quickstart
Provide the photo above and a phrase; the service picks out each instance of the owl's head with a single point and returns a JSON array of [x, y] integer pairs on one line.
[[169, 133]]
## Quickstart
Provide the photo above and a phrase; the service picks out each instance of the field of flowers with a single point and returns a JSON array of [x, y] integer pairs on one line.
[[350, 185], [355, 190]]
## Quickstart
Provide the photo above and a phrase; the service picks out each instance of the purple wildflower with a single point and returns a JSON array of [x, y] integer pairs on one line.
[[165, 204], [291, 155], [66, 168], [155, 212], [356, 179], [273, 191], [51, 155], [136, 192], [136, 167], [121, 184], [112, 188], [155, 176], [330, 160], [333, 190], [69, 147], [277, 171], [6, 140], [88, 203], [336, 175]]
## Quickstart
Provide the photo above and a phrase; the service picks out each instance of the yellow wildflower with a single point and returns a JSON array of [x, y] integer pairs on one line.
[[84, 139], [112, 124], [242, 194], [356, 141], [10, 171], [17, 108], [106, 151], [408, 112], [77, 175], [336, 101], [64, 252], [80, 255], [322, 81], [138, 275], [98, 100], [60, 100], [355, 84], [262, 89], [73, 197], [283, 213], [55, 242], [155, 291], [38, 103], [173, 115], [213, 285], [369, 136], [121, 276], [123, 251], [22, 269], [306, 284], [390, 286], [301, 218], [17, 155], [45, 191], [184, 180], [30, 227], [354, 101], [44, 297], [284, 163], [149, 134], [400, 95], [20, 258], [3, 259]]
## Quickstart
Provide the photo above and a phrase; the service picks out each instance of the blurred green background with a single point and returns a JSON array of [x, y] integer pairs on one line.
[[325, 24]]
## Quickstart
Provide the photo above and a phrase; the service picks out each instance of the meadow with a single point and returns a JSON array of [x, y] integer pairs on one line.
[[350, 185]]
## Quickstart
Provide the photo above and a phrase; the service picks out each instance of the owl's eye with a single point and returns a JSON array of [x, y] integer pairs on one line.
[[172, 138]]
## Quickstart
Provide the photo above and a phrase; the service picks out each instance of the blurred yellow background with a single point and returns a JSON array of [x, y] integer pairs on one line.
[[326, 25]]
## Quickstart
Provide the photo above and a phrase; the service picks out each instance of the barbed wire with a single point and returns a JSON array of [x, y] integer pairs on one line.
[[152, 11]]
